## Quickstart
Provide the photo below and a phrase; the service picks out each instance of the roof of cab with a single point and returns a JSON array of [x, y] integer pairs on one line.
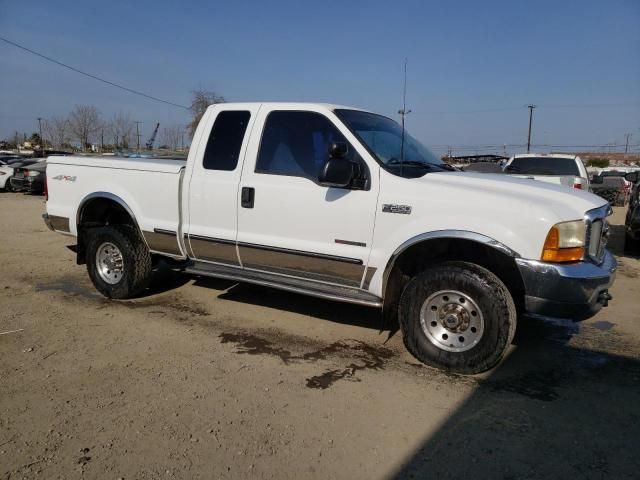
[[285, 105]]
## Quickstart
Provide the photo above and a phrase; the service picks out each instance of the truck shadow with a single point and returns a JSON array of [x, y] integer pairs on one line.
[[343, 313], [550, 410]]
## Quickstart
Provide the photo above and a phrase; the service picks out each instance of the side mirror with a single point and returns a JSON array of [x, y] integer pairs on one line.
[[338, 150], [633, 177], [337, 172]]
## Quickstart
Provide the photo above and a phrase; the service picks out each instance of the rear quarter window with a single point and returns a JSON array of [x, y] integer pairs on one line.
[[225, 140]]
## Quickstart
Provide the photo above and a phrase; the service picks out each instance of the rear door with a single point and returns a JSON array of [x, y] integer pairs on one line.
[[288, 223], [211, 226]]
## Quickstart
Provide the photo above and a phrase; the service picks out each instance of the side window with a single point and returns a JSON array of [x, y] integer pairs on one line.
[[297, 144], [225, 140]]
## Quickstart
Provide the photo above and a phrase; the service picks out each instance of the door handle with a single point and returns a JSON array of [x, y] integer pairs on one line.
[[247, 197]]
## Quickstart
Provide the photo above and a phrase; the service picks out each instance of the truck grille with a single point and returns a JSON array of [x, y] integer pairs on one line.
[[597, 234]]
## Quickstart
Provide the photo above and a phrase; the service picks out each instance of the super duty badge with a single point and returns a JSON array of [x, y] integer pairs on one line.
[[392, 208]]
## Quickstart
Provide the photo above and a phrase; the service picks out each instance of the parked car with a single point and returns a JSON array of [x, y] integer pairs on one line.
[[618, 173], [632, 220], [330, 201], [5, 174], [30, 178], [612, 189], [567, 170]]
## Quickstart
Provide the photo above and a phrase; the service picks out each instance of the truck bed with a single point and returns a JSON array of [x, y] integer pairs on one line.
[[148, 186]]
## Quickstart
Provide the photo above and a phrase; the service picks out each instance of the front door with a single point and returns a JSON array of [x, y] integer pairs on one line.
[[288, 223]]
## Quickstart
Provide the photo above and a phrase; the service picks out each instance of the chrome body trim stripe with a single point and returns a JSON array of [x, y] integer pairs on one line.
[[302, 253], [331, 269], [327, 268], [163, 241], [371, 271], [213, 249], [59, 224], [461, 234]]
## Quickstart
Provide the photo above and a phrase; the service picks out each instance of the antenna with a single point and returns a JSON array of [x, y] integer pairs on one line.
[[403, 113]]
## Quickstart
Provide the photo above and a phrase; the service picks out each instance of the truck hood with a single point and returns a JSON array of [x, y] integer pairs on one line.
[[566, 203], [515, 212]]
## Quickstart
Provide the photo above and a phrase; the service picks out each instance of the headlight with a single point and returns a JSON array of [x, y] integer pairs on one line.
[[565, 242], [31, 174]]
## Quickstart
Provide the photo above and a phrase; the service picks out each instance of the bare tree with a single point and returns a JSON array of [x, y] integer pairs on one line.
[[84, 121], [120, 128], [56, 130], [200, 100], [170, 136]]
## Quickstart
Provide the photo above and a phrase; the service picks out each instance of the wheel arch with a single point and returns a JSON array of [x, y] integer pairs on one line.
[[100, 209], [418, 252]]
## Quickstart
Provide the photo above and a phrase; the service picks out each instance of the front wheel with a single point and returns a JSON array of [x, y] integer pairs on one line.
[[118, 261], [457, 316]]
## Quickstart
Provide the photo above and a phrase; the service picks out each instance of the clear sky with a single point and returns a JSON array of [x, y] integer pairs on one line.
[[472, 66]]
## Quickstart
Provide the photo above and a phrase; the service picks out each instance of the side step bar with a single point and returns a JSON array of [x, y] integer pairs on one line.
[[297, 285]]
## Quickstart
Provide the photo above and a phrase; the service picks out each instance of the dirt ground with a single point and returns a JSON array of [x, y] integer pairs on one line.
[[209, 379]]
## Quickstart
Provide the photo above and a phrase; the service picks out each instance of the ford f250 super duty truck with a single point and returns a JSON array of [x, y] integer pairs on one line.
[[342, 204]]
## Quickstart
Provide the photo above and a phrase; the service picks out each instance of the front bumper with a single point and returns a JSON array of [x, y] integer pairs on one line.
[[576, 291]]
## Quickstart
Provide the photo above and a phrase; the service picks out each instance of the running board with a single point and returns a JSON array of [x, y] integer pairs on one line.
[[290, 284]]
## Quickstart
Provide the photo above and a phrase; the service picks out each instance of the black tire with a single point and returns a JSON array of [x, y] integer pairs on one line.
[[491, 296], [136, 261]]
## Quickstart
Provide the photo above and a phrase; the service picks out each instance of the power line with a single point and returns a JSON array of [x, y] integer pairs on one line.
[[506, 109], [122, 87]]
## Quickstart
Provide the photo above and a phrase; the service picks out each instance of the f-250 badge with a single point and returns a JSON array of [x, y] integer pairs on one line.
[[66, 178], [392, 208]]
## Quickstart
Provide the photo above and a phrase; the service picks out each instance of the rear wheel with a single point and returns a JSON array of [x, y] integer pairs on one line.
[[457, 316], [118, 261]]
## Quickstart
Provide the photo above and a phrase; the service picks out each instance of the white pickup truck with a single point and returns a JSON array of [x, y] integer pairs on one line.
[[340, 203], [557, 168]]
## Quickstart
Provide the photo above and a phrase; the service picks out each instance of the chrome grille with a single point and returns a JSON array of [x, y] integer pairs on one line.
[[597, 236], [597, 232]]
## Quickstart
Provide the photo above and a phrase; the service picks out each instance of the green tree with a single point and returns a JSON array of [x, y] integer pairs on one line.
[[598, 162]]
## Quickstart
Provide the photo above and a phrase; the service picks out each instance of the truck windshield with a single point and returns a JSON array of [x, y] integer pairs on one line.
[[544, 166], [383, 138]]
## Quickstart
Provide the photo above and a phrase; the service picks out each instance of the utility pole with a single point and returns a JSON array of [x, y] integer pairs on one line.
[[530, 107], [41, 139], [627, 136], [138, 135], [403, 113]]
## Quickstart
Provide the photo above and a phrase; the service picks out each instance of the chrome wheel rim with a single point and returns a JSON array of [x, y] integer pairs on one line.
[[109, 263], [452, 321]]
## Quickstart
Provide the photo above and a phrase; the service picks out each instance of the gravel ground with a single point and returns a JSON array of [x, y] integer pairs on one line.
[[202, 378]]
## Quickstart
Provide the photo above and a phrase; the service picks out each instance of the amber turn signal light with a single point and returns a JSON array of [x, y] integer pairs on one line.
[[554, 252]]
